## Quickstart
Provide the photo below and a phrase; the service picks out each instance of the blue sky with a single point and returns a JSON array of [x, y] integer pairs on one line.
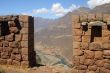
[[45, 8]]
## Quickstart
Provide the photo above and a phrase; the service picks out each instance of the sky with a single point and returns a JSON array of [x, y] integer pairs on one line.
[[45, 8]]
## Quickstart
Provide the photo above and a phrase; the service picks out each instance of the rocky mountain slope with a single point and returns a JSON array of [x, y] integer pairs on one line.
[[55, 35]]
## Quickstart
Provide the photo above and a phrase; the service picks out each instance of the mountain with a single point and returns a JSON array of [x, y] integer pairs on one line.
[[54, 36], [105, 8]]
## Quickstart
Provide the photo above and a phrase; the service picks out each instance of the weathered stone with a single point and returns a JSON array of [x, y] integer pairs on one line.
[[99, 63], [89, 62], [77, 38], [24, 44], [25, 64], [107, 66], [18, 57], [2, 38], [107, 52], [86, 39], [92, 68], [11, 24], [104, 70], [18, 37], [98, 55], [24, 18], [9, 37], [1, 44], [24, 31], [76, 45], [84, 46], [89, 54], [16, 63], [5, 55], [76, 25], [78, 52], [82, 67], [95, 47], [76, 61], [77, 32], [3, 61], [15, 44], [24, 51], [5, 43], [24, 57], [1, 49], [82, 59], [25, 37], [15, 51], [9, 61], [13, 30], [106, 45]]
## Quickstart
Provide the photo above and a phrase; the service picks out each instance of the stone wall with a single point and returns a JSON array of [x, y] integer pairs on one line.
[[91, 43], [17, 41]]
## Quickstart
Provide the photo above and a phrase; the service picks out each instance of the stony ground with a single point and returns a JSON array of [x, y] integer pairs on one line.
[[43, 69]]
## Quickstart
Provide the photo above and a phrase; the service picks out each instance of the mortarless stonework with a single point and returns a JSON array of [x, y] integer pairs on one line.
[[17, 40], [91, 43]]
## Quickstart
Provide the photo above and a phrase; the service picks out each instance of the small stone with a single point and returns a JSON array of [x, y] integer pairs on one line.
[[92, 68], [99, 63], [82, 67], [107, 52], [16, 63], [89, 62], [98, 55], [95, 47], [107, 66], [15, 44], [13, 30], [5, 43], [89, 54]]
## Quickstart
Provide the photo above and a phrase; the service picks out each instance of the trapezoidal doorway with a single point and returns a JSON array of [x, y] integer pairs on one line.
[[96, 33]]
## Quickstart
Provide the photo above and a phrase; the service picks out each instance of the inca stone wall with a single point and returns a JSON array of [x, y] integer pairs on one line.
[[17, 40], [91, 43]]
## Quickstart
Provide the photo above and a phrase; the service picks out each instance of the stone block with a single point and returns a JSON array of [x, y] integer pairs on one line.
[[84, 46], [1, 44], [24, 31], [76, 25], [98, 55], [11, 24], [82, 67], [106, 45], [82, 59], [15, 44], [104, 70], [104, 39], [77, 32], [25, 63], [25, 57], [95, 47], [76, 45], [24, 18], [15, 51], [78, 52], [18, 37], [25, 37], [3, 61], [1, 49], [24, 44], [5, 55], [18, 57], [76, 60], [86, 39], [24, 51], [14, 30], [92, 68], [10, 37], [107, 66], [9, 61], [107, 52], [89, 54], [89, 62], [105, 33], [77, 38], [5, 43], [15, 63], [99, 63]]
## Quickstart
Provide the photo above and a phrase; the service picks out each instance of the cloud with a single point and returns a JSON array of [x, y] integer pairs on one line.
[[40, 11], [94, 3], [56, 10], [59, 10]]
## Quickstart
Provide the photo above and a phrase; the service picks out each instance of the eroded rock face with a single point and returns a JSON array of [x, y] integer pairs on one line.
[[94, 43]]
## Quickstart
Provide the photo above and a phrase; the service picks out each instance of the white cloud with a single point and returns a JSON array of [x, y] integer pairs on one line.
[[59, 10], [56, 10], [94, 3], [40, 11]]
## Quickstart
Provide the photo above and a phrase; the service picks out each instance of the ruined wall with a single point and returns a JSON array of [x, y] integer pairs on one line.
[[91, 43], [17, 40]]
